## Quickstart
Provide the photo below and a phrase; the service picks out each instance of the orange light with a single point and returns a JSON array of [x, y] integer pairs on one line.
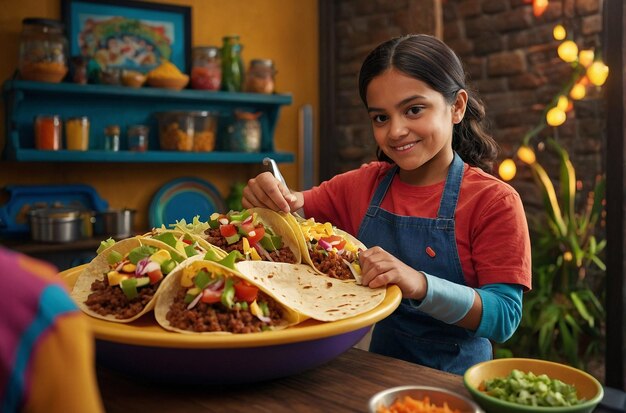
[[585, 57], [578, 91], [568, 51], [598, 72], [526, 155], [507, 169], [562, 103], [539, 6], [568, 256], [555, 117], [559, 32]]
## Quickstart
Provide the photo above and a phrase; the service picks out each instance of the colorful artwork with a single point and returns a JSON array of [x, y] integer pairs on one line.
[[128, 34]]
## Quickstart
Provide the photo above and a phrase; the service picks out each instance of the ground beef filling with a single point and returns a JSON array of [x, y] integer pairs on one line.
[[215, 317], [214, 237], [331, 264], [111, 300]]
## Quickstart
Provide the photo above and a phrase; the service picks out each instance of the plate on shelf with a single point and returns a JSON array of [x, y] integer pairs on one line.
[[184, 198]]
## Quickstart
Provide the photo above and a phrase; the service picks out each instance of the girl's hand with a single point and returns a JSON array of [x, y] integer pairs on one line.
[[379, 268], [266, 191]]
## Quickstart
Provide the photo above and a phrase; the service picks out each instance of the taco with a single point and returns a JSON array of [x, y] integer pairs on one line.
[[122, 282], [331, 251], [183, 240], [257, 233], [203, 296], [300, 288]]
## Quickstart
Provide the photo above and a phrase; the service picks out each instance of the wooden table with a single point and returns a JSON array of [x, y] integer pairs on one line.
[[345, 384]]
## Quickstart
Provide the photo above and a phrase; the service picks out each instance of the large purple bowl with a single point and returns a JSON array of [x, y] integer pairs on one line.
[[143, 349]]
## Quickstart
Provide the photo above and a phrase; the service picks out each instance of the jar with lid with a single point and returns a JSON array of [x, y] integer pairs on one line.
[[206, 70], [48, 132], [244, 134], [137, 138], [43, 50], [232, 64], [77, 133], [260, 76], [112, 138]]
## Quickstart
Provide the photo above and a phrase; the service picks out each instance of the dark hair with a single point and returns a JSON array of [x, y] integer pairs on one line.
[[428, 59]]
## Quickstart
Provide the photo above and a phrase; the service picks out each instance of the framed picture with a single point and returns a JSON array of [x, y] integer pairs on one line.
[[128, 34]]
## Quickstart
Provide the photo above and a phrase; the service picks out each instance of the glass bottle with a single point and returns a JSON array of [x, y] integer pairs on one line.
[[77, 133], [232, 64], [260, 76], [48, 132], [43, 50], [137, 138], [112, 138], [206, 70], [245, 132]]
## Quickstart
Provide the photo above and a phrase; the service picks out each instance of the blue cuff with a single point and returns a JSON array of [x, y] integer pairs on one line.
[[446, 301]]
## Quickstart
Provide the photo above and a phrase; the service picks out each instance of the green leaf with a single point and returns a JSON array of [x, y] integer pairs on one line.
[[582, 309], [549, 196]]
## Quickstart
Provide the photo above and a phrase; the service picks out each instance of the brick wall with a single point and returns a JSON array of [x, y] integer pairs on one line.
[[512, 61]]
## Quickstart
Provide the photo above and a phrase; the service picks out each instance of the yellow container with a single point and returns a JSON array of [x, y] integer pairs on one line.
[[77, 133]]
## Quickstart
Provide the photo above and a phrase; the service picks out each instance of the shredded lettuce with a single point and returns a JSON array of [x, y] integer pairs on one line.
[[195, 227]]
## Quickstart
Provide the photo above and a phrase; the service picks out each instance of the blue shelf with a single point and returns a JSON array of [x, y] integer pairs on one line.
[[106, 105]]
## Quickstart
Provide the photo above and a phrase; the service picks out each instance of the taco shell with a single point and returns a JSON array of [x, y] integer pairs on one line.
[[98, 268], [301, 288], [172, 286]]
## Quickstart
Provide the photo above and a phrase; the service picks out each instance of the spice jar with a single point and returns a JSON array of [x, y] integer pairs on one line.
[[137, 138], [48, 132], [232, 64], [206, 70], [112, 138], [77, 133], [260, 76], [245, 132], [43, 50]]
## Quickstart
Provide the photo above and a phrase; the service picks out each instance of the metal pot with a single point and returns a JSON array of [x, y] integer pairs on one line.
[[116, 223], [55, 224]]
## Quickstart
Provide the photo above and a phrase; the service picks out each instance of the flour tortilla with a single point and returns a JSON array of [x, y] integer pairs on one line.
[[301, 288], [98, 268], [295, 220], [171, 287]]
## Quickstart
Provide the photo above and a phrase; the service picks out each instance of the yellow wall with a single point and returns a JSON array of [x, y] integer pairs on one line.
[[283, 30]]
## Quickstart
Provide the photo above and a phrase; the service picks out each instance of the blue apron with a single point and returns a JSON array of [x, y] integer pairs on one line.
[[427, 245]]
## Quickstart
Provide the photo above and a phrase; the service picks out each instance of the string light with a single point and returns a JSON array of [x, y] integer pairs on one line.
[[598, 72], [555, 116], [585, 57], [578, 92], [562, 103], [507, 169], [526, 155], [559, 32], [539, 6], [568, 51]]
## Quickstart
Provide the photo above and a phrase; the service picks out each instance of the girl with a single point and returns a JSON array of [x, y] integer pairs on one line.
[[437, 224]]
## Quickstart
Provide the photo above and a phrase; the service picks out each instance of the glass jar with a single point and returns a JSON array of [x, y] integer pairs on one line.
[[77, 133], [206, 70], [260, 76], [232, 64], [245, 132], [112, 138], [48, 132], [43, 50], [137, 138]]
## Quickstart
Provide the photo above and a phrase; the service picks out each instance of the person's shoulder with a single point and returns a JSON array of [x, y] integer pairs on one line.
[[478, 180]]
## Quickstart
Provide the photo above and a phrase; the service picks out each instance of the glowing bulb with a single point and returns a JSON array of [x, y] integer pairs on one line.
[[555, 116], [578, 91], [568, 51], [507, 169], [585, 57], [559, 32], [526, 155], [597, 73], [568, 256], [539, 6], [562, 103]]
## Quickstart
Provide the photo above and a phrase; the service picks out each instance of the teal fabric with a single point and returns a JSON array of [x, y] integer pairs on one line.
[[502, 311], [445, 300]]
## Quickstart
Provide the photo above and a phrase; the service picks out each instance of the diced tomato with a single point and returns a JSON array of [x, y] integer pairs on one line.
[[187, 241], [228, 230], [155, 276], [335, 240], [210, 296], [245, 292], [246, 227], [255, 235]]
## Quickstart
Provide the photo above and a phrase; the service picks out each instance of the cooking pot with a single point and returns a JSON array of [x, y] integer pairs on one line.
[[116, 223], [56, 224]]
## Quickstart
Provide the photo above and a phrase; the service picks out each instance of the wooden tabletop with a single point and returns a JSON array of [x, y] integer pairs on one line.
[[344, 384]]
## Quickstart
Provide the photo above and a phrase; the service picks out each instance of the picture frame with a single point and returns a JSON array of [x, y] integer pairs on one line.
[[128, 34]]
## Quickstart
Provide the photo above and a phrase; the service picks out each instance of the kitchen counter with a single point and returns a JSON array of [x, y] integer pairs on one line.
[[344, 384]]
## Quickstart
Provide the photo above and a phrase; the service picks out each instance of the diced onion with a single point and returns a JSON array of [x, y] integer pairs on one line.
[[263, 251], [195, 301], [324, 245]]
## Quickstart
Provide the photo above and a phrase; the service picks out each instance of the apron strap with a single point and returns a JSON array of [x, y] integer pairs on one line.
[[450, 195], [381, 191]]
